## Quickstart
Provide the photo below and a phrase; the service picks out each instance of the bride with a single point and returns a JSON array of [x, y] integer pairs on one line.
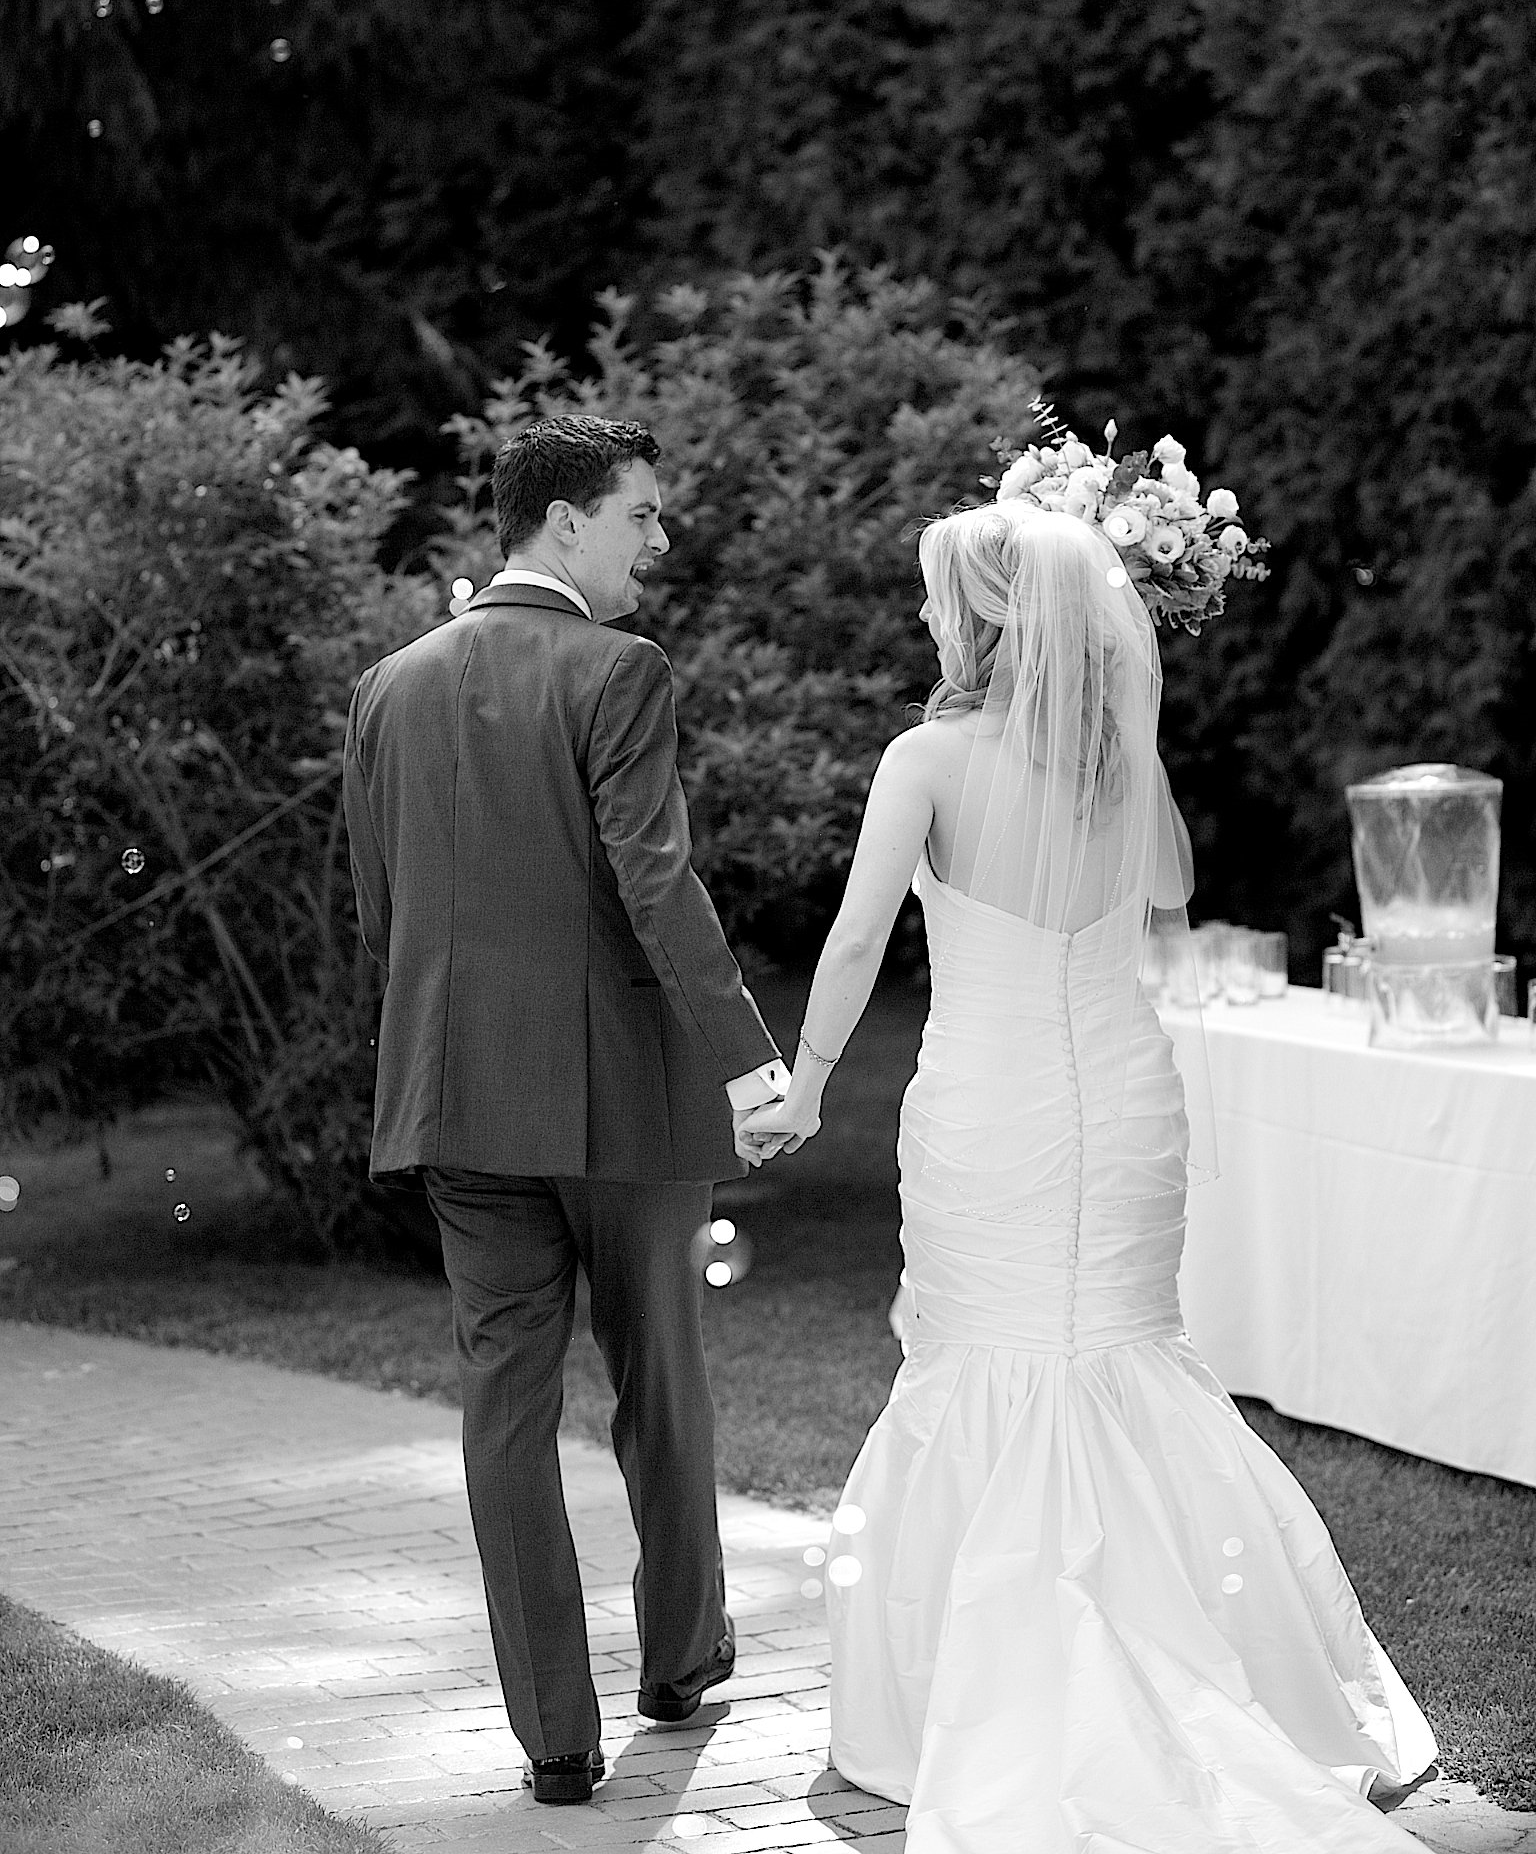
[[1081, 1608]]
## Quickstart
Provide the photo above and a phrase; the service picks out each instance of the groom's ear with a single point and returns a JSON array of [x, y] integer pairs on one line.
[[560, 522]]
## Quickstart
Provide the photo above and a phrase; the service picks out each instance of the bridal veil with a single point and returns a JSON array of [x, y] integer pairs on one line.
[[1066, 818]]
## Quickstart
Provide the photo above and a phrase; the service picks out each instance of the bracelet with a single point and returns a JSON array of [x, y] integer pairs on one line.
[[827, 1062]]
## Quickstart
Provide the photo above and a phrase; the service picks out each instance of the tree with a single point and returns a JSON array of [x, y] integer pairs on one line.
[[1361, 280], [1299, 237], [388, 194]]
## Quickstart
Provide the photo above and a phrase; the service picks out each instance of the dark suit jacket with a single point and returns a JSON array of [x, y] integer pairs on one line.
[[560, 1000]]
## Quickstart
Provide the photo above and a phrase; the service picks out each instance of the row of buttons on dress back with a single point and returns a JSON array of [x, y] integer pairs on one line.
[[1069, 1053]]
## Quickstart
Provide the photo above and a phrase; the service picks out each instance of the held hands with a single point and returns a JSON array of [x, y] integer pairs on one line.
[[765, 1132]]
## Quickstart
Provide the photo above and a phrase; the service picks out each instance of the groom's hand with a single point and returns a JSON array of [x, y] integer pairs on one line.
[[775, 1130], [752, 1147]]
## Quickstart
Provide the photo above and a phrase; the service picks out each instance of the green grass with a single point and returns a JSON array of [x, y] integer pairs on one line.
[[800, 1356], [101, 1758]]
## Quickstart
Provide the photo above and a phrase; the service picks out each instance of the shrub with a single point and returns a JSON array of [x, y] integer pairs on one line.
[[804, 423], [187, 592]]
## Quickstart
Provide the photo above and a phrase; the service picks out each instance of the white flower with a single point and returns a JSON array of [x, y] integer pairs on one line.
[[1164, 543], [1182, 482], [1221, 505], [1167, 451], [1050, 499], [1081, 499], [1184, 507], [1232, 541], [1019, 475], [1048, 458], [1150, 487], [1074, 454], [1125, 525]]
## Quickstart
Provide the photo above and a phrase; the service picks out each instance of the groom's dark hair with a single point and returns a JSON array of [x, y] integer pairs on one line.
[[573, 458]]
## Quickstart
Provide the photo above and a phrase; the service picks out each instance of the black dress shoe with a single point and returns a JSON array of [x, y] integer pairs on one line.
[[669, 1704], [564, 1779]]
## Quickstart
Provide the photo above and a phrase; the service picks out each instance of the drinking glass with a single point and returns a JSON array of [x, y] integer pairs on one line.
[[1505, 993], [1274, 965], [1181, 986], [1240, 970], [1530, 1009], [1343, 979], [1154, 967], [1209, 940]]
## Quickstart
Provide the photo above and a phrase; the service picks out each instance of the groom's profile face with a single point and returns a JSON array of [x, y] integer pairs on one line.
[[616, 546]]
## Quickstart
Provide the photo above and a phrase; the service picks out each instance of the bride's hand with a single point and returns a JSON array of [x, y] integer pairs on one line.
[[776, 1128]]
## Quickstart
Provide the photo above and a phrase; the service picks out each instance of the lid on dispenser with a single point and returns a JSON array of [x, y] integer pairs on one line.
[[1427, 777]]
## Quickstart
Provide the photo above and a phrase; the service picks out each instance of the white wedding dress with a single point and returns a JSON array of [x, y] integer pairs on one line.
[[1093, 1613]]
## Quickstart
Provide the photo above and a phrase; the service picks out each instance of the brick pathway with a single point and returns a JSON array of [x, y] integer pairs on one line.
[[298, 1551]]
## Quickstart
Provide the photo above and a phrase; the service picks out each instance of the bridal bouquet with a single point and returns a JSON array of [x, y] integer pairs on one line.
[[1178, 550]]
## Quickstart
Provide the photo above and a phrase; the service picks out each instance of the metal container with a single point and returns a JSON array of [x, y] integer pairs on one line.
[[1426, 849]]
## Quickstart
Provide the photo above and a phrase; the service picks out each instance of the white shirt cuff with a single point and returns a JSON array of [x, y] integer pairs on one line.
[[757, 1089]]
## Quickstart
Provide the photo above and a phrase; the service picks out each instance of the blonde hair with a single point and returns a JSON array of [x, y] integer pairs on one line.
[[969, 560], [977, 572]]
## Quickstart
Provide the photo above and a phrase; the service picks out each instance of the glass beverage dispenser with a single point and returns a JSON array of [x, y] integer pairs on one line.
[[1426, 847]]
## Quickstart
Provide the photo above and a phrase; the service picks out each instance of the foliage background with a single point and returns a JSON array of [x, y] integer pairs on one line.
[[189, 587], [1300, 235]]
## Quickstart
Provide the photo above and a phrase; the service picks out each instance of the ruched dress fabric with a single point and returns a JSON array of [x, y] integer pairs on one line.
[[1094, 1613]]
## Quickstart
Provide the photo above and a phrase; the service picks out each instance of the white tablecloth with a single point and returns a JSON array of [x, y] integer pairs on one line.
[[1367, 1258]]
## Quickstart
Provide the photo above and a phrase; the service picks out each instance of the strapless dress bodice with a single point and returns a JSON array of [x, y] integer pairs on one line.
[[1042, 1138]]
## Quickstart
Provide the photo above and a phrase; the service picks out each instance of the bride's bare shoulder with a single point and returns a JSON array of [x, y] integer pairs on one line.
[[938, 742], [931, 757]]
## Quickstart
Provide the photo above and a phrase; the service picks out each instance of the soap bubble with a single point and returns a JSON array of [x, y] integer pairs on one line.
[[848, 1518], [29, 244], [181, 1213], [103, 9], [153, 6], [93, 128], [1232, 1548], [10, 1193], [689, 1827], [811, 1588], [463, 588], [133, 861], [280, 51], [722, 1231], [845, 1571], [170, 1174], [1117, 576], [289, 1778], [1231, 1584], [295, 1744], [719, 1274], [814, 1556]]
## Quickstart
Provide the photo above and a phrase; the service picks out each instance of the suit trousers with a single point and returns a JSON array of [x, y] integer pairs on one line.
[[511, 1248]]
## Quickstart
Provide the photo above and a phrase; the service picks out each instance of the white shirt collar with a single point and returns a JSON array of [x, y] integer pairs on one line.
[[521, 576]]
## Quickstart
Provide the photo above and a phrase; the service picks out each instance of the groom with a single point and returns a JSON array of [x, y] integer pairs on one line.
[[565, 1044]]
